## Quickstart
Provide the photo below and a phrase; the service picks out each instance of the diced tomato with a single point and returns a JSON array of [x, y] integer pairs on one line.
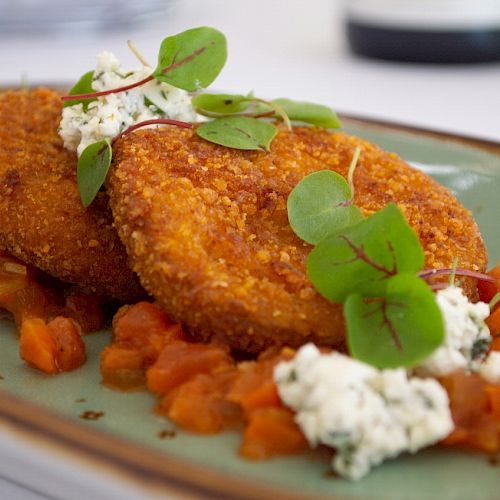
[[37, 346], [475, 407], [271, 432], [180, 361], [70, 349], [122, 368], [488, 290], [86, 310], [146, 327], [140, 332], [53, 347], [493, 322], [200, 404]]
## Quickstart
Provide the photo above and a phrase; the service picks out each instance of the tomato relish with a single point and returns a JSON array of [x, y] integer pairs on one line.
[[201, 387], [50, 318]]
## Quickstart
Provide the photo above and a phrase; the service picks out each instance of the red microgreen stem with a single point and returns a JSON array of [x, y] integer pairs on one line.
[[92, 95], [174, 65], [438, 286], [159, 121], [430, 273]]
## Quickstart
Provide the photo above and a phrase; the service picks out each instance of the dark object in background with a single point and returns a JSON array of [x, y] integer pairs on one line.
[[424, 46], [442, 35]]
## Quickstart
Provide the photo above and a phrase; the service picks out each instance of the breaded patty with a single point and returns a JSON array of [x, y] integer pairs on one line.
[[42, 220], [206, 229]]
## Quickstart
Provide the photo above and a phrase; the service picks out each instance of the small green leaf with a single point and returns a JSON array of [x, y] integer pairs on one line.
[[238, 132], [82, 86], [361, 258], [319, 206], [308, 112], [92, 169], [192, 59], [401, 329], [223, 104]]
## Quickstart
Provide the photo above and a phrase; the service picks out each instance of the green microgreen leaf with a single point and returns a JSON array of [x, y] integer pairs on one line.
[[192, 59], [92, 169], [223, 104], [82, 86], [361, 258], [319, 205], [400, 329], [238, 132], [307, 112]]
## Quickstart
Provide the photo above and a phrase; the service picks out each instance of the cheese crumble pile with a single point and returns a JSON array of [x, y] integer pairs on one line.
[[110, 115], [467, 338], [368, 415]]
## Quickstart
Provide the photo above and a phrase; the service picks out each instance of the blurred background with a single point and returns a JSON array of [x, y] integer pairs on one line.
[[293, 48]]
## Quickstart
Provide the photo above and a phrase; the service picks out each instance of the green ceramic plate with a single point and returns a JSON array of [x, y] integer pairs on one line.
[[127, 434]]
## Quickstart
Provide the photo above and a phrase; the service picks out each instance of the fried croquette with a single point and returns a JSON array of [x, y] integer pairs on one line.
[[42, 220], [206, 229]]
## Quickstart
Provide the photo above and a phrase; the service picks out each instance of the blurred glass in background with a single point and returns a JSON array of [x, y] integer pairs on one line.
[[54, 17], [434, 31]]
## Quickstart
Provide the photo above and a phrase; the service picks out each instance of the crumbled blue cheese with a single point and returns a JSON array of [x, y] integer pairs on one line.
[[467, 338], [112, 114], [367, 415], [490, 368]]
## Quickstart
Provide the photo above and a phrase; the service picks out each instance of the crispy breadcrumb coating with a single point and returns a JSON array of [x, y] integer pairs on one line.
[[42, 220], [206, 229]]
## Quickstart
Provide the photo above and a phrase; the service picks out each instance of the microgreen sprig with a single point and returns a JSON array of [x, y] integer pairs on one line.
[[374, 267], [320, 202], [191, 60], [253, 133], [95, 160]]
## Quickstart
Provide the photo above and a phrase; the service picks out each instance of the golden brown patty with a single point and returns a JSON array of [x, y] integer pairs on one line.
[[42, 220], [207, 231]]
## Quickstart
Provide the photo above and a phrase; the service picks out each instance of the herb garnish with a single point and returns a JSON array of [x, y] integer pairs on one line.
[[92, 169], [191, 60], [239, 132], [320, 202], [226, 130], [82, 86], [374, 267]]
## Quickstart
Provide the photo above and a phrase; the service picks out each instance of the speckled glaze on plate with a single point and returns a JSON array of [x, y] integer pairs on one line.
[[127, 434]]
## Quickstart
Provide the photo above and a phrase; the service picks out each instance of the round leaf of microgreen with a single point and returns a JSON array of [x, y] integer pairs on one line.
[[362, 258], [238, 132], [92, 169], [401, 328], [221, 104], [82, 86], [192, 59], [319, 205], [308, 112]]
